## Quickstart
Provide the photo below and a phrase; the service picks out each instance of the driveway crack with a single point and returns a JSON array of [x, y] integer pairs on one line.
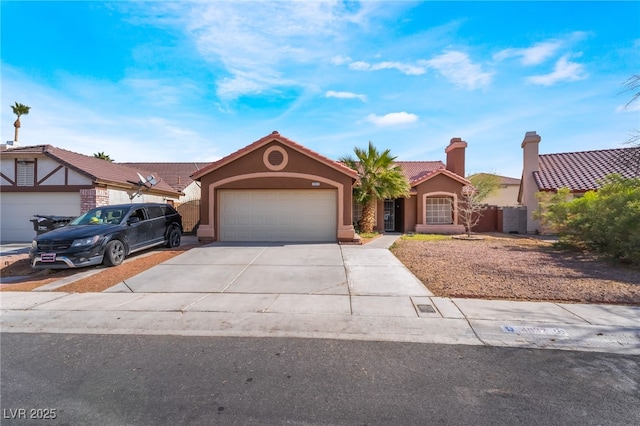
[[244, 269]]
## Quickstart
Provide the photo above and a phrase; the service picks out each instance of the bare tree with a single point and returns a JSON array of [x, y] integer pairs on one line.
[[470, 208], [630, 158]]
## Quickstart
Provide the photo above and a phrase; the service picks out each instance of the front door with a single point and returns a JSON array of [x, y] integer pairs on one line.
[[389, 215]]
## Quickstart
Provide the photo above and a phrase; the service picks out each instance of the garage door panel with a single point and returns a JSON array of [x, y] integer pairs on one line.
[[278, 215], [17, 209]]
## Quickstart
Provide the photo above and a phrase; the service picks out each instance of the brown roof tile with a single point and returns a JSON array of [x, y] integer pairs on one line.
[[436, 172], [100, 171], [582, 171], [178, 175], [417, 170]]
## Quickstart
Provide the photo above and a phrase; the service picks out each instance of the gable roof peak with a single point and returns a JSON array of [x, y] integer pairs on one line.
[[274, 136]]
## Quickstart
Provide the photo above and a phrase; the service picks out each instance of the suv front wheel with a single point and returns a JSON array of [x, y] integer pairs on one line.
[[114, 253]]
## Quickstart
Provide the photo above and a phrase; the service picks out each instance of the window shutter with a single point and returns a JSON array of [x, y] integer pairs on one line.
[[25, 173]]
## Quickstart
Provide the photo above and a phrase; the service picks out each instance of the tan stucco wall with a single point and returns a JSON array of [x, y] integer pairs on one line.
[[250, 172], [439, 183], [504, 196]]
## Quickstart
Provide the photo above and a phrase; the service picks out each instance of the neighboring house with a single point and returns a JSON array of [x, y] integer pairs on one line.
[[178, 175], [578, 171], [277, 190], [45, 180], [506, 195]]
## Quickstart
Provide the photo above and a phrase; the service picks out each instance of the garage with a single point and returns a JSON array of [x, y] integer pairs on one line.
[[278, 215], [17, 210]]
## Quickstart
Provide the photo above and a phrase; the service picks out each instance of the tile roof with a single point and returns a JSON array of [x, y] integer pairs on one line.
[[439, 171], [274, 136], [582, 171], [417, 170], [96, 169], [178, 175]]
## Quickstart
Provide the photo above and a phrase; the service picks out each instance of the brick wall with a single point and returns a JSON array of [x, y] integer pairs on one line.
[[92, 198]]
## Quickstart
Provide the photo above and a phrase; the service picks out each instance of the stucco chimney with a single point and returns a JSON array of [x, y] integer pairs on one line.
[[530, 164], [455, 156]]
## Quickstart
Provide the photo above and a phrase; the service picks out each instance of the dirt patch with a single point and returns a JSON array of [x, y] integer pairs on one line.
[[103, 279], [516, 268]]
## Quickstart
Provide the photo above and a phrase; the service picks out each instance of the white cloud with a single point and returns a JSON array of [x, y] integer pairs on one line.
[[458, 68], [564, 70], [392, 119], [340, 60], [249, 39], [407, 69], [345, 95], [159, 91], [632, 107], [541, 51], [534, 55]]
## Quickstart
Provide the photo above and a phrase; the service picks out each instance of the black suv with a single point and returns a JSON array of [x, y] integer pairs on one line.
[[107, 235]]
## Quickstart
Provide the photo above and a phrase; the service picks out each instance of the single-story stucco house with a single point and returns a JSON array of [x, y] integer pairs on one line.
[[45, 180], [578, 171], [278, 190]]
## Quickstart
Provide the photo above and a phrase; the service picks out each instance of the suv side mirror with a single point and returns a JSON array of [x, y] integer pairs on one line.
[[132, 220]]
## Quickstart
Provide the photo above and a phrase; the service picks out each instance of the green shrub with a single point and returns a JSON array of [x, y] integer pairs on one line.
[[606, 221]]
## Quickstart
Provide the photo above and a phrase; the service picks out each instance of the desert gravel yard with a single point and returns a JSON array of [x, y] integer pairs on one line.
[[517, 268]]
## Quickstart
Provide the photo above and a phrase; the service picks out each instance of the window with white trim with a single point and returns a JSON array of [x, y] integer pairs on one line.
[[25, 172], [439, 210]]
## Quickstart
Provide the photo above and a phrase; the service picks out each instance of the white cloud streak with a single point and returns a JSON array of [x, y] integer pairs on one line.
[[407, 69], [458, 68], [255, 42], [392, 119], [564, 70], [540, 52], [534, 55], [345, 95]]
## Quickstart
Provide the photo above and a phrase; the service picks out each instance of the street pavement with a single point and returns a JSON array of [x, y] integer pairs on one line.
[[313, 291]]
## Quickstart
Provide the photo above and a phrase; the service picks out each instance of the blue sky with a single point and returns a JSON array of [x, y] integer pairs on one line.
[[181, 81]]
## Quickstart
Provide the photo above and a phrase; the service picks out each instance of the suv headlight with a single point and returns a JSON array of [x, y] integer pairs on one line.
[[34, 244], [85, 241]]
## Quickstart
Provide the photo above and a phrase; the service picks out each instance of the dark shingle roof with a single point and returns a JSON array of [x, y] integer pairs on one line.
[[178, 175], [582, 171], [98, 170]]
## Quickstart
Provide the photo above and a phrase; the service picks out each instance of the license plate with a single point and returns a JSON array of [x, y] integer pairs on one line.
[[48, 257]]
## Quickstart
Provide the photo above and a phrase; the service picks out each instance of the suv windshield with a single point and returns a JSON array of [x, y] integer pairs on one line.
[[100, 216]]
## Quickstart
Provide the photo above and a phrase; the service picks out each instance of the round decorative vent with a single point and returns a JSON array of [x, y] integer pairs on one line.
[[275, 158]]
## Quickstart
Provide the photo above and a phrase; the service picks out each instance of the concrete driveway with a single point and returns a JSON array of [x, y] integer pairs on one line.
[[322, 269]]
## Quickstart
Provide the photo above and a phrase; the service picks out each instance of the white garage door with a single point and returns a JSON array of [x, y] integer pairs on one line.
[[278, 215], [16, 209]]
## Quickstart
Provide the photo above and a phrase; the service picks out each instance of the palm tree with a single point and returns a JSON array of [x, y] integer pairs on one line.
[[19, 110], [379, 179], [103, 156]]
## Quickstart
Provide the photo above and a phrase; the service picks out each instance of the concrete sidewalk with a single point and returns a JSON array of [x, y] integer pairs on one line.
[[345, 300], [383, 318]]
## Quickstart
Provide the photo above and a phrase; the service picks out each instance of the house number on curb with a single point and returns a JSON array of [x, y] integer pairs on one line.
[[516, 329]]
